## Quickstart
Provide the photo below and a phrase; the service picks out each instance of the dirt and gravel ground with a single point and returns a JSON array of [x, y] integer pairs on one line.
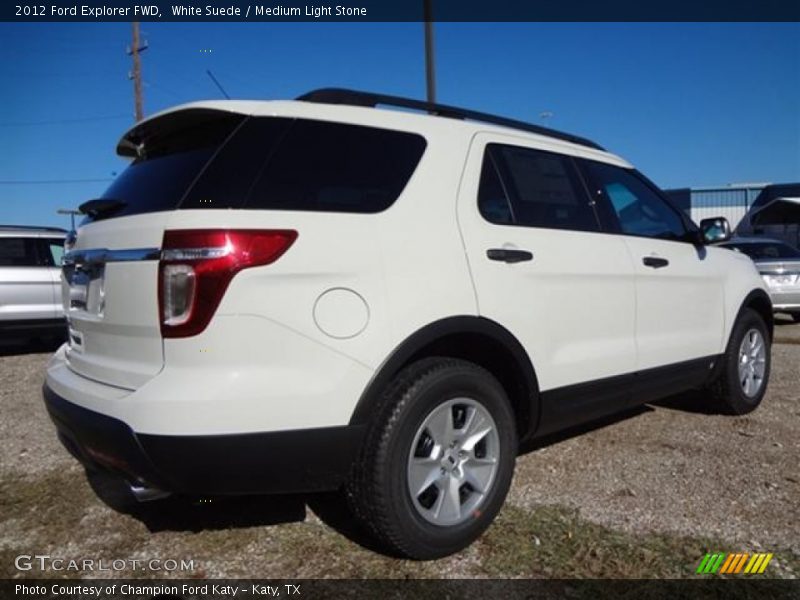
[[642, 495]]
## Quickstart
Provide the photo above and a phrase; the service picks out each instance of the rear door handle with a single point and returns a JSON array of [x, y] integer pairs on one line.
[[508, 255], [655, 262]]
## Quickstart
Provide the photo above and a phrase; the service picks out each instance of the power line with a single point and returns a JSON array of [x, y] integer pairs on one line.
[[60, 121], [52, 181]]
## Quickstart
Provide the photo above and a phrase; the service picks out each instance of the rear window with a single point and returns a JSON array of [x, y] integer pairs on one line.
[[268, 163], [169, 154], [766, 250]]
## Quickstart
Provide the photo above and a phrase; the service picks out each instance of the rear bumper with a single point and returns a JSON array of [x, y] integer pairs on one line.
[[785, 299], [276, 462]]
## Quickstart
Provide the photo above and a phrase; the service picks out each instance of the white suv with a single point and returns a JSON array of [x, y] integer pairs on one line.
[[309, 295]]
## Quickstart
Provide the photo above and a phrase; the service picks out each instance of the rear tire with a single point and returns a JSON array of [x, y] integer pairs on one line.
[[742, 380], [437, 461], [796, 317]]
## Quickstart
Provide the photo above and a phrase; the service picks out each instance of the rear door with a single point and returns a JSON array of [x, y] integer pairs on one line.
[[26, 285], [110, 276], [543, 269]]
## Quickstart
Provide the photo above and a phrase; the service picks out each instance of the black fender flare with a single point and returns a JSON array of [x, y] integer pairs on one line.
[[417, 341], [756, 295]]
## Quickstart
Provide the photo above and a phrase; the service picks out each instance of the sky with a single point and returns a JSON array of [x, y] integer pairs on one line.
[[690, 104]]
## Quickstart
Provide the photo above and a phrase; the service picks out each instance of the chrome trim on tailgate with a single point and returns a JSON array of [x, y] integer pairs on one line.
[[104, 255]]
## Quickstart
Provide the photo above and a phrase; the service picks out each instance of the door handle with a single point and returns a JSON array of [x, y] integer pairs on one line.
[[655, 262], [508, 255]]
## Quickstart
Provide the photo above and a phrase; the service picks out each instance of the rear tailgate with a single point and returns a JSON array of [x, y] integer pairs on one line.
[[110, 275], [110, 296]]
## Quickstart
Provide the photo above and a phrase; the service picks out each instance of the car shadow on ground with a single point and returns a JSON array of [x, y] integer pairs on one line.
[[185, 513], [578, 430], [194, 514]]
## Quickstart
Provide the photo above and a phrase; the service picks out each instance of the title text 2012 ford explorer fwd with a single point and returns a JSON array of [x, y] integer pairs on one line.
[[319, 294]]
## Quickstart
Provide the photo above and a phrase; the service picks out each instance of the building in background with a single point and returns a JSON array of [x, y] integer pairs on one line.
[[771, 210], [730, 201]]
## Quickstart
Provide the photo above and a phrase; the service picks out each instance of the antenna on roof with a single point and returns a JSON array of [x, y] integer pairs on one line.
[[71, 212], [218, 84]]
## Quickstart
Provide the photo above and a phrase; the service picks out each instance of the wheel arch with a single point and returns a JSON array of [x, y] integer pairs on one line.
[[759, 301], [475, 339]]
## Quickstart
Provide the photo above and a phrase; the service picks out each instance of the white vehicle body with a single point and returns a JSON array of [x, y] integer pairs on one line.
[[297, 347]]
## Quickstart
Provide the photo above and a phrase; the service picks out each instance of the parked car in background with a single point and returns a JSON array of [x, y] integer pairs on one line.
[[30, 283], [779, 265]]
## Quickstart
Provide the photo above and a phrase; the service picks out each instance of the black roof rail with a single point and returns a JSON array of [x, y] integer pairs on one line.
[[357, 98], [32, 228]]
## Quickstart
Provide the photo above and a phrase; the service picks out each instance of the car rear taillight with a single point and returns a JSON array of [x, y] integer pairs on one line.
[[198, 264]]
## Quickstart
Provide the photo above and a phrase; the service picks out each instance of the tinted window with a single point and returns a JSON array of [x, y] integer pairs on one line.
[[492, 199], [544, 189], [638, 209], [766, 250], [18, 252], [228, 179], [170, 152], [53, 250], [322, 166]]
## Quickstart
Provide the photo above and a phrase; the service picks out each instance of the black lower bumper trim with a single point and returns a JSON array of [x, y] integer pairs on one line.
[[302, 460]]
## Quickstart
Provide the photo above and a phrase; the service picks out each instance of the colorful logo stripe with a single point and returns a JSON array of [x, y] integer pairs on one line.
[[734, 563]]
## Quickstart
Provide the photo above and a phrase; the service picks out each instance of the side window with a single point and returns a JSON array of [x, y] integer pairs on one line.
[[337, 167], [18, 252], [638, 209], [544, 189], [53, 251], [492, 199]]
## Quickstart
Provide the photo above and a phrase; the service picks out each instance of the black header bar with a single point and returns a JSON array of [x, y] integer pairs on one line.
[[403, 10]]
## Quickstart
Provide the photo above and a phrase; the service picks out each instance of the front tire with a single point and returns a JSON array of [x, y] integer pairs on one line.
[[438, 460], [742, 381]]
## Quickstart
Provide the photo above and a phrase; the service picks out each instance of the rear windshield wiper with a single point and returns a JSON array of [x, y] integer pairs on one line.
[[99, 206]]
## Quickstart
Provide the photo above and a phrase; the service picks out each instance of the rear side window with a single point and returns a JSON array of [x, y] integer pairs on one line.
[[543, 190], [335, 167], [18, 252], [53, 250], [493, 201], [766, 250]]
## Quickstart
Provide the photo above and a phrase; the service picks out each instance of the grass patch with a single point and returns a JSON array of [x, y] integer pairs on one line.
[[57, 513], [554, 542]]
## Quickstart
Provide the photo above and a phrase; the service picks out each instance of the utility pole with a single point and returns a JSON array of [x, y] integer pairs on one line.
[[430, 67], [134, 50]]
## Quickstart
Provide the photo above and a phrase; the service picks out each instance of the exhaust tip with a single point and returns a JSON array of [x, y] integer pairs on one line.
[[144, 493]]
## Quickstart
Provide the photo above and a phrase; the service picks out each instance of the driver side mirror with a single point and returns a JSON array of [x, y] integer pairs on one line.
[[715, 229]]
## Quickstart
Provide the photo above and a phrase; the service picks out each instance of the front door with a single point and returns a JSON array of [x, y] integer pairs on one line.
[[679, 288]]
